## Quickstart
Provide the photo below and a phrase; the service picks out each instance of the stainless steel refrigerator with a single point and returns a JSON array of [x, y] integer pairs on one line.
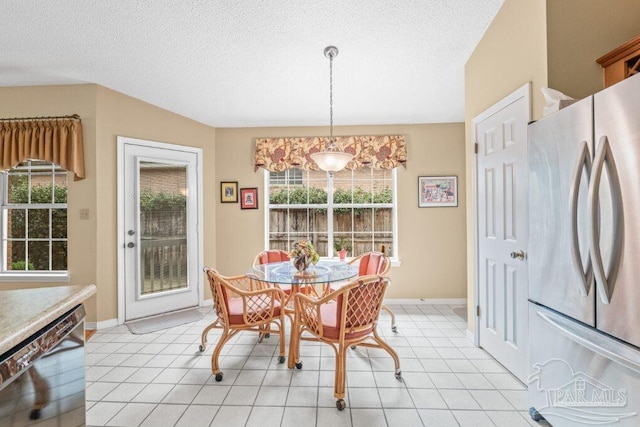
[[584, 261]]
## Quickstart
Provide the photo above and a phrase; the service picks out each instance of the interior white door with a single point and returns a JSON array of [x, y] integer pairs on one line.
[[160, 227], [502, 227]]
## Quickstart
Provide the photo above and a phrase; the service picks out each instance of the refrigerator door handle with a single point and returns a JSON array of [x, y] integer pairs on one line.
[[585, 274], [592, 340], [605, 281]]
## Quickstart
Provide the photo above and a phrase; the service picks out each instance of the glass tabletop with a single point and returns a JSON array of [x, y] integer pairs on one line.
[[285, 273]]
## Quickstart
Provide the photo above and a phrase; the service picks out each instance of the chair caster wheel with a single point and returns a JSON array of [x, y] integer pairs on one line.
[[394, 329], [267, 335], [202, 348], [219, 376], [281, 359], [299, 365], [399, 375], [34, 414], [353, 347], [340, 404]]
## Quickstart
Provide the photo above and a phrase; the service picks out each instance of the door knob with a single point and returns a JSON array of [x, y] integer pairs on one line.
[[519, 255], [130, 244]]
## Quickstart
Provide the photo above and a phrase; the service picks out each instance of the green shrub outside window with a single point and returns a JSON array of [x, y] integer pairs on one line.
[[41, 222]]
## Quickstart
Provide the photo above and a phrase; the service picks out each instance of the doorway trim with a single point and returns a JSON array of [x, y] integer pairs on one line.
[[121, 141], [522, 92]]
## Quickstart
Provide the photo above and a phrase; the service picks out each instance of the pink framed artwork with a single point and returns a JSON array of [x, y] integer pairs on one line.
[[249, 198]]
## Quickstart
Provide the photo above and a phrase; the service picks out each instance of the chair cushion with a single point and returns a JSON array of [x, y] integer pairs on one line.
[[268, 257], [234, 308], [371, 264], [330, 327]]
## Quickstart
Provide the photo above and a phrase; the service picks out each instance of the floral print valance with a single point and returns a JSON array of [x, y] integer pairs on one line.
[[378, 152]]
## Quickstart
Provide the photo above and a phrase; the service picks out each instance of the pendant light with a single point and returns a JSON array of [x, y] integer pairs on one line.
[[331, 160]]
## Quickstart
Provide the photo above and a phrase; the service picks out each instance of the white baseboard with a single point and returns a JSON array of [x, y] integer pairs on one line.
[[110, 323], [101, 325], [425, 301], [394, 301]]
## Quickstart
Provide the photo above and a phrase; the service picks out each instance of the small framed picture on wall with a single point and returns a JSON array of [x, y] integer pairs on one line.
[[437, 191], [229, 192], [249, 198]]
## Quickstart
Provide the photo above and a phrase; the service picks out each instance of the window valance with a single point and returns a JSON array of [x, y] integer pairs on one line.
[[378, 152], [53, 139]]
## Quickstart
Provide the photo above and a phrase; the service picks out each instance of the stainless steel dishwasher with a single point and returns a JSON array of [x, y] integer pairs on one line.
[[42, 378]]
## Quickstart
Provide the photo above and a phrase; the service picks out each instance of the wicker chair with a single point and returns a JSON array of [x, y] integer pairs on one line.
[[270, 256], [375, 263], [243, 304], [345, 317]]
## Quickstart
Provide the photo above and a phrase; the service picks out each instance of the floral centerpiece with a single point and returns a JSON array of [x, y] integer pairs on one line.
[[303, 254]]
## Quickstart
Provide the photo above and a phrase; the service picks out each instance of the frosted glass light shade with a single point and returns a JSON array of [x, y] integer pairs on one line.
[[331, 161]]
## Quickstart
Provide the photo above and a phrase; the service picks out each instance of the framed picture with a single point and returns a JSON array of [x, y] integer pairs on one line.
[[436, 191], [249, 198], [229, 192]]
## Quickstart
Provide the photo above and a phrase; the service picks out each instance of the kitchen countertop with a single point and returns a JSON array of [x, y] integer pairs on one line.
[[26, 311]]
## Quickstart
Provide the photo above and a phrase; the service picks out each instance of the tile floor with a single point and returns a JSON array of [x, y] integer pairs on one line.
[[161, 379]]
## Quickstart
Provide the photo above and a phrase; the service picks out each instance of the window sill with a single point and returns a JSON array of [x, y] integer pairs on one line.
[[62, 277], [394, 261]]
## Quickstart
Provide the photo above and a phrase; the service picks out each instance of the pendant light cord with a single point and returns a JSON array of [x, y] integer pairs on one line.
[[331, 159], [331, 146]]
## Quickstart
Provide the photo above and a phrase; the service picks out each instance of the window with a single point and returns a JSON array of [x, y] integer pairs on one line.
[[288, 177], [357, 206], [34, 218]]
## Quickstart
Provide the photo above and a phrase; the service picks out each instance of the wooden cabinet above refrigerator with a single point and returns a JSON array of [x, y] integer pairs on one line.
[[622, 62]]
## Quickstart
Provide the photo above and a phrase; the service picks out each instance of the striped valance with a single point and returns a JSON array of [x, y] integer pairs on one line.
[[57, 140], [378, 152]]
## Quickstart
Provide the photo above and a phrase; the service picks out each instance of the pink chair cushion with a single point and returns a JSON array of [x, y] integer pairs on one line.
[[371, 264], [234, 307], [268, 257], [330, 327]]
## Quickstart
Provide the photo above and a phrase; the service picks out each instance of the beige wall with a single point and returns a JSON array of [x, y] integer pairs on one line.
[[430, 239], [511, 53], [105, 115], [56, 101], [578, 35], [121, 115], [550, 43]]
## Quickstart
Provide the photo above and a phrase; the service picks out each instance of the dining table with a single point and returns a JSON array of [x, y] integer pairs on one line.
[[287, 277]]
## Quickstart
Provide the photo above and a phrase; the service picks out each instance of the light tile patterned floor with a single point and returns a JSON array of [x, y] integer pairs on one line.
[[161, 379]]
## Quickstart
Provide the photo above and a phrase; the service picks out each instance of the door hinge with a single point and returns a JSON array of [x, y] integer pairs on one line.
[[477, 310], [475, 147]]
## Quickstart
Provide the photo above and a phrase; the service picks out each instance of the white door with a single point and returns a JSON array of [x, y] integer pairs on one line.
[[159, 227], [502, 227]]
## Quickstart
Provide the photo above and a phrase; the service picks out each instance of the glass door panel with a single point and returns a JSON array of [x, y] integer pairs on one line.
[[163, 233]]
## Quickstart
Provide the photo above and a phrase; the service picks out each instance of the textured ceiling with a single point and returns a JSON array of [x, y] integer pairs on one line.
[[233, 63]]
